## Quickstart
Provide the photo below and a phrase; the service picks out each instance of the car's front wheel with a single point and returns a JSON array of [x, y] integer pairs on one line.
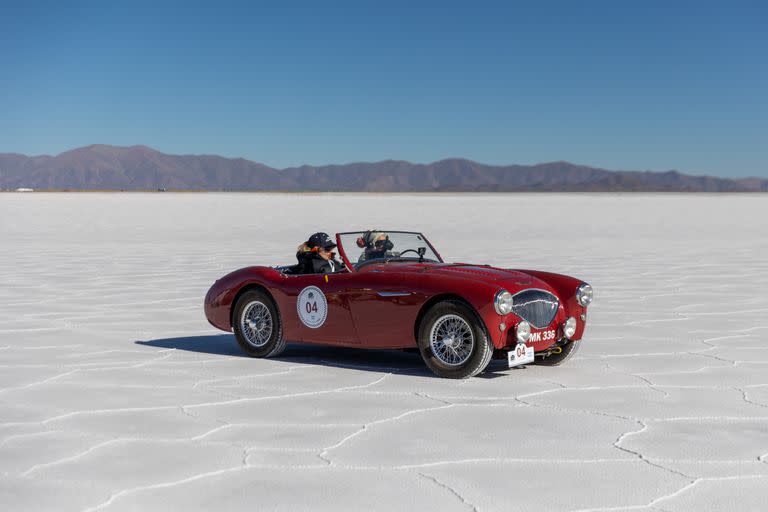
[[453, 341], [257, 325]]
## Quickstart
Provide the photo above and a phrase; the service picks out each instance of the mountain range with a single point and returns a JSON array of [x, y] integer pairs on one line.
[[103, 167]]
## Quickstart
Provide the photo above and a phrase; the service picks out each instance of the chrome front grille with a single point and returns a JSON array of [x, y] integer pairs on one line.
[[536, 307]]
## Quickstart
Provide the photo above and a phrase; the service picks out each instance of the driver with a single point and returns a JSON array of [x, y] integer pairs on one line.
[[316, 255], [377, 245]]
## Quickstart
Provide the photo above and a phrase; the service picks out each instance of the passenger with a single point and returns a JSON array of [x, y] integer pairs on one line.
[[316, 256], [376, 244]]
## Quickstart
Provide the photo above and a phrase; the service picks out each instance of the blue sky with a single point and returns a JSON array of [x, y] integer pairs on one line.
[[619, 84]]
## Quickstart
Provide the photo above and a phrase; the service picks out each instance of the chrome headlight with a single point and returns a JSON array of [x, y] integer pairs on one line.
[[584, 294], [523, 331], [569, 327], [502, 302]]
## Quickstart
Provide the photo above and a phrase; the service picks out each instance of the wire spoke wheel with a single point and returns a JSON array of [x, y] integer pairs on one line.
[[256, 323], [452, 340]]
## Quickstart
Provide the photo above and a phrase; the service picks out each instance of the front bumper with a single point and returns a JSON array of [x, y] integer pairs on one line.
[[541, 339]]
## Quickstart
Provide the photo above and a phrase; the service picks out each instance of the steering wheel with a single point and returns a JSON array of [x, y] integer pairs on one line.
[[408, 250]]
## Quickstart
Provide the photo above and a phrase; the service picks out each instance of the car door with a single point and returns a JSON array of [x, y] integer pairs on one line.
[[384, 306], [315, 309]]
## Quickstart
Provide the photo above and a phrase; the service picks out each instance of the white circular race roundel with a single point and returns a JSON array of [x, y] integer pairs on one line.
[[312, 307]]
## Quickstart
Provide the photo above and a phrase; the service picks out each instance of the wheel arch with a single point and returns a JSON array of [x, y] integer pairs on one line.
[[443, 297], [245, 289]]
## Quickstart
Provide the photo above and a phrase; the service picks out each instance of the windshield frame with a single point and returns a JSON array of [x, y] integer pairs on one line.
[[353, 267]]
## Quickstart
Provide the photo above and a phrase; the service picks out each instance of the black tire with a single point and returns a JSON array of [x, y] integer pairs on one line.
[[248, 339], [474, 358], [568, 350]]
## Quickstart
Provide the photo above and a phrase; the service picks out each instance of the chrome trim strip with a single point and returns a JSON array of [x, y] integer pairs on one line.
[[393, 294], [534, 290]]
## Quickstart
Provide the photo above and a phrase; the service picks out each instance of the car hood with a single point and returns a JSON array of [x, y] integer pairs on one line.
[[511, 280]]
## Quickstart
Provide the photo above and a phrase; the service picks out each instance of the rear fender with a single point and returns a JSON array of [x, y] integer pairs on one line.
[[225, 292]]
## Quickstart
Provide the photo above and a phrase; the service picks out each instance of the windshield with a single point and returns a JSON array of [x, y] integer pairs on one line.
[[363, 247]]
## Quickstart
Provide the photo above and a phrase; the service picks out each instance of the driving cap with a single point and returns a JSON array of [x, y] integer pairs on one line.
[[321, 240]]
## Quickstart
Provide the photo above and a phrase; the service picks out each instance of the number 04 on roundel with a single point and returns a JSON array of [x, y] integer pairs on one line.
[[402, 295]]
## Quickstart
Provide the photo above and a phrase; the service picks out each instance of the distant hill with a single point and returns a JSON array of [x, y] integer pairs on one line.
[[101, 167]]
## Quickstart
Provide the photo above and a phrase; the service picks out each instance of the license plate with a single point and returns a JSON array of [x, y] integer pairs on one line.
[[522, 354]]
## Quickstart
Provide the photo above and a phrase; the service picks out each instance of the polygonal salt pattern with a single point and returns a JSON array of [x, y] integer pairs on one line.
[[116, 394]]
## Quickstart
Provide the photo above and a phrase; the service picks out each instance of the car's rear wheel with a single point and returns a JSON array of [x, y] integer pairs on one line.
[[567, 351], [257, 325], [453, 342]]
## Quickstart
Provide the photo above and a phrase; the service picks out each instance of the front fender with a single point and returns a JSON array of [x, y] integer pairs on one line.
[[565, 286], [479, 295]]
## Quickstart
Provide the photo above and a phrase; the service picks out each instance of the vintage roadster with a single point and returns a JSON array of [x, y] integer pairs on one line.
[[458, 315]]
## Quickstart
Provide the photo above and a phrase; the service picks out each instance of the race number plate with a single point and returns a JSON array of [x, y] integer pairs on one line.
[[521, 354], [312, 307]]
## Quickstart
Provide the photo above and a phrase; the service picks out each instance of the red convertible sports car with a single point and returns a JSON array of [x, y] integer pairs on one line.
[[458, 315]]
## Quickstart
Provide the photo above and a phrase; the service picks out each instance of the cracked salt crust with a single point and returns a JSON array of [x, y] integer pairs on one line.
[[115, 393]]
